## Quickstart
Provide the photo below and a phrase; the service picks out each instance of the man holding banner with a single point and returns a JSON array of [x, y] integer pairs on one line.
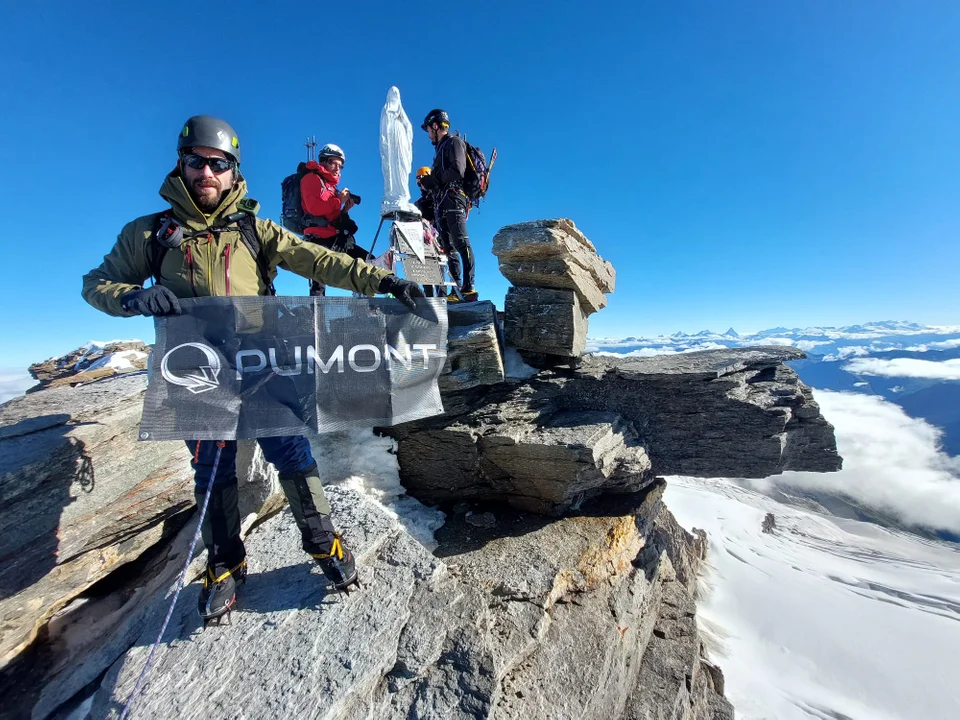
[[209, 243]]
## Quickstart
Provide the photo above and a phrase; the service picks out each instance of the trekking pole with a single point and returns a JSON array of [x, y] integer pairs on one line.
[[183, 576], [379, 227]]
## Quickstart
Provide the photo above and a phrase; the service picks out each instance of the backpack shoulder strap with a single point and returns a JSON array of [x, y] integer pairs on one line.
[[248, 234], [306, 219], [155, 251]]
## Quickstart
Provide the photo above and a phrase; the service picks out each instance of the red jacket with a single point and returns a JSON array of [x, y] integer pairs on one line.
[[318, 194]]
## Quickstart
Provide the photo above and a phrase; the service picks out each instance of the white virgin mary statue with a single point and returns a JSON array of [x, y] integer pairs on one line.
[[396, 156]]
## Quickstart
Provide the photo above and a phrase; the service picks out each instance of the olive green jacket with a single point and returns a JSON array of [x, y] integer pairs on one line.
[[216, 264]]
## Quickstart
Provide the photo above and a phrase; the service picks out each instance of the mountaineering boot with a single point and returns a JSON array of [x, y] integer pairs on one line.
[[219, 593], [338, 564], [226, 564], [466, 297], [311, 511]]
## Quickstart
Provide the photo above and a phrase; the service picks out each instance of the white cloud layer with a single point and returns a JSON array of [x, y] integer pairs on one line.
[[14, 383], [807, 345], [945, 345], [891, 462], [653, 351], [847, 351], [906, 367]]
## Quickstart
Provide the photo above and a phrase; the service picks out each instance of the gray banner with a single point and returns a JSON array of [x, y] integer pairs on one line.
[[248, 367]]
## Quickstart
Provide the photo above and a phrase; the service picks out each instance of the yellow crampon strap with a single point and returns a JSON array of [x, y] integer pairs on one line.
[[209, 579], [335, 551]]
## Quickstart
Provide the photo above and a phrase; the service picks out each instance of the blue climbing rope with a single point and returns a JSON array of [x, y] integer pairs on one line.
[[176, 594]]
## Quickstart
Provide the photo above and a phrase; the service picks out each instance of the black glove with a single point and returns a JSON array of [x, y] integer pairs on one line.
[[156, 300], [403, 290], [343, 243], [346, 225]]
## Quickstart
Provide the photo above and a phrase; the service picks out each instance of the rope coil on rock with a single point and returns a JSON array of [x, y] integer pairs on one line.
[[180, 582]]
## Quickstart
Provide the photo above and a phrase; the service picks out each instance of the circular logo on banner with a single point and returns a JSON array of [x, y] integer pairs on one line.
[[205, 378]]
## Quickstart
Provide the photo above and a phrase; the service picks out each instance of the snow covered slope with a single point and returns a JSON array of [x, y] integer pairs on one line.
[[824, 618]]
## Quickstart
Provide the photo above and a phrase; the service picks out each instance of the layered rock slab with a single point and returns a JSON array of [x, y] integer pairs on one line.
[[554, 254], [528, 619], [563, 436], [547, 321], [522, 447], [473, 347], [81, 496], [718, 413]]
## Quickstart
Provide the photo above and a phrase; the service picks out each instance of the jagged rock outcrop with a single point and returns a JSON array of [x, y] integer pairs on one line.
[[563, 436], [527, 619], [555, 254], [540, 458], [544, 321], [559, 279], [473, 347], [519, 614], [84, 364], [81, 496], [738, 412]]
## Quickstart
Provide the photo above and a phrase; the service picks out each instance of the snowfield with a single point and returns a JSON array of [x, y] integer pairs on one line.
[[824, 618], [368, 464]]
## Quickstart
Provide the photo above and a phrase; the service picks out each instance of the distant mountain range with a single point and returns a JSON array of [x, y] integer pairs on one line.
[[835, 361]]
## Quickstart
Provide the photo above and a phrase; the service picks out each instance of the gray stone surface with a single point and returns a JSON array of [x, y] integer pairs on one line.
[[554, 254], [525, 450], [541, 444], [81, 496], [678, 681], [717, 413], [544, 321], [473, 348], [517, 616], [528, 620], [90, 634]]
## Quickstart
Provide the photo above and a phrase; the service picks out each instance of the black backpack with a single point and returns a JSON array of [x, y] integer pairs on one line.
[[476, 177], [292, 215], [247, 225]]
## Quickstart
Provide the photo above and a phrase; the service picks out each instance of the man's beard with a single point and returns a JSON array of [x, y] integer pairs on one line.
[[199, 198]]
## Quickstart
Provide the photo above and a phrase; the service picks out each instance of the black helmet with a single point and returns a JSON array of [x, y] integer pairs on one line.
[[437, 116], [206, 131]]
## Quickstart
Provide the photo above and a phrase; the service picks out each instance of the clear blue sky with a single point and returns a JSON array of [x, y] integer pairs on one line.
[[745, 163]]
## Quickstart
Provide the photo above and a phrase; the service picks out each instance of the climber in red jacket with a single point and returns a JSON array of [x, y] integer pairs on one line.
[[326, 218]]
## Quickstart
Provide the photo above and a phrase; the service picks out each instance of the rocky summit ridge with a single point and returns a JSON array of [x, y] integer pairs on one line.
[[560, 587]]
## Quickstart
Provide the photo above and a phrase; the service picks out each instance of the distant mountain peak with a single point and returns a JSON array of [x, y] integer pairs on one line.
[[731, 333]]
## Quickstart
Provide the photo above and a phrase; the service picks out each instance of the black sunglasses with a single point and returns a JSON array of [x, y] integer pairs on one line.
[[217, 164]]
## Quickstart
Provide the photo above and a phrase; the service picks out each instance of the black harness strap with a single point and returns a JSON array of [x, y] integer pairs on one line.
[[157, 252], [248, 234], [247, 225]]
